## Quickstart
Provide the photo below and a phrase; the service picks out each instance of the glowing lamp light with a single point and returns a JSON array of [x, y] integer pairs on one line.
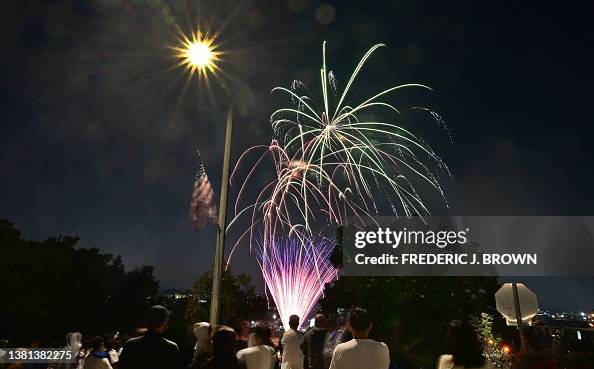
[[197, 54], [506, 349]]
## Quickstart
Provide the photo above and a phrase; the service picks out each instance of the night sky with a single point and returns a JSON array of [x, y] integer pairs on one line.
[[98, 133]]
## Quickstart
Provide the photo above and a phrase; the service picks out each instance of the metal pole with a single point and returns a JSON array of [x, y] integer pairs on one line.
[[519, 317], [217, 273]]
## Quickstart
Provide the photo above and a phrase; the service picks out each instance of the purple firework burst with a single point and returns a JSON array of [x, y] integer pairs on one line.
[[295, 273]]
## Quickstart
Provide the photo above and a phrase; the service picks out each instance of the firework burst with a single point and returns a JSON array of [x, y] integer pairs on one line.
[[295, 274], [331, 160], [348, 154]]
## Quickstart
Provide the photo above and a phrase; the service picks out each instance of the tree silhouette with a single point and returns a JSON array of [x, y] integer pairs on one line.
[[51, 287], [239, 299]]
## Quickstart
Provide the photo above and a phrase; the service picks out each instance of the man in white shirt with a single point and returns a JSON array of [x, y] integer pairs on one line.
[[291, 342], [360, 352], [258, 355]]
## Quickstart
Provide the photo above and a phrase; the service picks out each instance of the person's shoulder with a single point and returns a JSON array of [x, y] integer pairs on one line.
[[287, 335], [371, 342], [244, 352], [446, 357], [445, 362], [170, 343], [345, 345], [383, 348], [133, 341], [381, 344]]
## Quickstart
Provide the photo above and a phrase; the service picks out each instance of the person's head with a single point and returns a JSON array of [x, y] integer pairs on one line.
[[157, 318], [201, 332], [320, 321], [463, 344], [224, 343], [74, 340], [294, 322], [259, 335], [97, 344], [359, 323]]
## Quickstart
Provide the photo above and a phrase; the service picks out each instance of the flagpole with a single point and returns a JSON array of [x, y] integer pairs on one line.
[[217, 274]]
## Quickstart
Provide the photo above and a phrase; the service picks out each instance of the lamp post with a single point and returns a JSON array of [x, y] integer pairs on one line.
[[217, 273], [199, 55]]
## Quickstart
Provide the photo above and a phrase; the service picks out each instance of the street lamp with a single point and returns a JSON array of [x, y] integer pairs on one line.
[[199, 55]]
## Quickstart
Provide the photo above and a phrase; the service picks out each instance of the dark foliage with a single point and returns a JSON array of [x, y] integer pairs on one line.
[[51, 287], [239, 299]]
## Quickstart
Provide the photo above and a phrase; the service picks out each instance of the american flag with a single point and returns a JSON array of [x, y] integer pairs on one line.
[[202, 209]]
